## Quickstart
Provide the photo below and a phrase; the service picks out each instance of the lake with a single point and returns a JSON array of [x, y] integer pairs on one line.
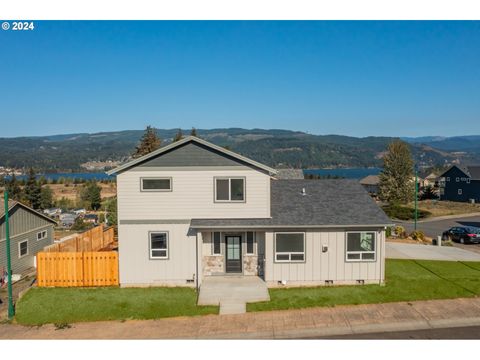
[[56, 176], [349, 173]]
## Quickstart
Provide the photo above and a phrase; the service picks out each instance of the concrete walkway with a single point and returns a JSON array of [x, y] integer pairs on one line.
[[305, 323], [428, 252], [232, 292]]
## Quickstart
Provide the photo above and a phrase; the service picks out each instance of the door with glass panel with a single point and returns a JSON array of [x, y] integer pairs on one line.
[[233, 254]]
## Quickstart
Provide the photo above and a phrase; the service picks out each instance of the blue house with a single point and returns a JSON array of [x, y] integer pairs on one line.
[[461, 183]]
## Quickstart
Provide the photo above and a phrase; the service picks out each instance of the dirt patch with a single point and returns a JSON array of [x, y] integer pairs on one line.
[[443, 208], [72, 191]]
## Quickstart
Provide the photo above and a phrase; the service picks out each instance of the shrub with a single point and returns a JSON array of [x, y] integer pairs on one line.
[[388, 232], [417, 235], [400, 232], [404, 212]]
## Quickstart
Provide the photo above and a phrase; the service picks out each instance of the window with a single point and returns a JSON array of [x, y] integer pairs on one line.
[[448, 178], [230, 189], [290, 247], [459, 191], [457, 179], [250, 242], [360, 246], [156, 184], [23, 248], [468, 180], [217, 243], [158, 245], [42, 235]]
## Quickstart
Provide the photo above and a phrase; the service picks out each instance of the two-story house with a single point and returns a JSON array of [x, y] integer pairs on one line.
[[193, 209], [460, 183]]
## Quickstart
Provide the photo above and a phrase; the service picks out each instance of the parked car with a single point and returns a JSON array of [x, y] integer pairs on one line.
[[462, 234]]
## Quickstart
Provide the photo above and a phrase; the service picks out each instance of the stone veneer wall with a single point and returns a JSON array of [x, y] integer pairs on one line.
[[250, 265], [213, 265]]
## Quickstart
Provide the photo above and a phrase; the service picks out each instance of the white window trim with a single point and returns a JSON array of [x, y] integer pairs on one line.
[[156, 178], [254, 242], [19, 252], [361, 252], [167, 251], [41, 234], [448, 178], [229, 178], [457, 179], [213, 243], [275, 253], [468, 180], [459, 192]]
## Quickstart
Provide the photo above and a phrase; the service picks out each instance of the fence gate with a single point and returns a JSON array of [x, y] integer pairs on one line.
[[69, 269]]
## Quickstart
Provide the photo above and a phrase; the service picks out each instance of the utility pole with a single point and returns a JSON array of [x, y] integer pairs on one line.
[[11, 310], [416, 197]]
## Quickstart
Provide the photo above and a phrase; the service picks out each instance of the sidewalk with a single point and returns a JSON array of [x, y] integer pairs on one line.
[[314, 322]]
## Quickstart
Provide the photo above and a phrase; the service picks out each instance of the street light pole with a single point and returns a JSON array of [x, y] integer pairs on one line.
[[416, 197], [11, 310]]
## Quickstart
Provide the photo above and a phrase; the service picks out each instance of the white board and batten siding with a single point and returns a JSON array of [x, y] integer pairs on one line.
[[321, 266]]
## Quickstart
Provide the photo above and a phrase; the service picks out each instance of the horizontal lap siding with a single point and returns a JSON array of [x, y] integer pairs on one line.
[[320, 266], [135, 265], [192, 196]]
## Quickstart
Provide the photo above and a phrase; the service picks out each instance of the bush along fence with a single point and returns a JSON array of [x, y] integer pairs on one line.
[[94, 239], [80, 261]]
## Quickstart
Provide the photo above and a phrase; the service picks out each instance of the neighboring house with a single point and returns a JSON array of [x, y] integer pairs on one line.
[[67, 219], [371, 184], [193, 209], [30, 232], [91, 218], [460, 183], [53, 212], [431, 180], [290, 174]]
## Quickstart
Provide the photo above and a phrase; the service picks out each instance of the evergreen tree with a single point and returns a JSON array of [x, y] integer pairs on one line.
[[13, 188], [111, 209], [46, 198], [193, 132], [33, 190], [428, 193], [396, 185], [148, 143], [91, 195], [178, 136]]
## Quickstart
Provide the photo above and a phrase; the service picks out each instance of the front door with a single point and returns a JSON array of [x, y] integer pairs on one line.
[[233, 255]]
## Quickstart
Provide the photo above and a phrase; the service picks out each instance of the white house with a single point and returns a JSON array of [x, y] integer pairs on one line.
[[193, 209]]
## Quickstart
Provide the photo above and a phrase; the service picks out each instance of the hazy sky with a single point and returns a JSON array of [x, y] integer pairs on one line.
[[354, 78]]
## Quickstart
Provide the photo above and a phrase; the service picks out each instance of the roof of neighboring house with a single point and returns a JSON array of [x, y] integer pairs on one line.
[[370, 180], [326, 203], [472, 171], [12, 204], [289, 174], [186, 140]]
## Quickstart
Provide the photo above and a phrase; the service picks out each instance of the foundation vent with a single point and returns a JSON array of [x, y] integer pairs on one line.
[[328, 282], [360, 282]]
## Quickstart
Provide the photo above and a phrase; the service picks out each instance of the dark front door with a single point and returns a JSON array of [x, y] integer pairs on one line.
[[233, 255]]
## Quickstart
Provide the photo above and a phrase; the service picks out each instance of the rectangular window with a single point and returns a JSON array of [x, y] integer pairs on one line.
[[468, 180], [158, 245], [457, 179], [448, 178], [250, 242], [42, 235], [459, 191], [290, 247], [217, 250], [360, 246], [23, 248], [230, 189], [156, 184]]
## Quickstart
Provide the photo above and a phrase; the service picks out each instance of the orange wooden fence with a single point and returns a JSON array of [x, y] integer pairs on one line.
[[92, 240], [68, 269]]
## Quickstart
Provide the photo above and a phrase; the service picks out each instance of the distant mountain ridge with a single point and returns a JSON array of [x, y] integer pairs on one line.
[[274, 147]]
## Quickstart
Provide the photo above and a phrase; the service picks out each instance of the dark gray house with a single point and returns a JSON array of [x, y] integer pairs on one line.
[[30, 232], [460, 183]]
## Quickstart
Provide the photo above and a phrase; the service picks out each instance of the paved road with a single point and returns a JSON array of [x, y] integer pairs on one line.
[[433, 228], [464, 333]]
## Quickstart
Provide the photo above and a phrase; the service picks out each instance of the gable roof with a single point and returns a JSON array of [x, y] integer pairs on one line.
[[190, 139], [472, 171], [12, 204], [290, 174], [327, 203], [370, 180]]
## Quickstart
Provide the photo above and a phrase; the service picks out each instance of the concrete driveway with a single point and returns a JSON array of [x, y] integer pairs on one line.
[[428, 252]]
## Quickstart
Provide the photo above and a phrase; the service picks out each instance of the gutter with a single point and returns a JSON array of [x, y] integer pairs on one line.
[[288, 226]]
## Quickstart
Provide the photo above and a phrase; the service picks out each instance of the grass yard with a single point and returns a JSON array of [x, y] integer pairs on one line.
[[441, 208], [407, 280], [68, 305]]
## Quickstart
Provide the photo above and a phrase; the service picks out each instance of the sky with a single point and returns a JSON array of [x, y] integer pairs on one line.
[[358, 78]]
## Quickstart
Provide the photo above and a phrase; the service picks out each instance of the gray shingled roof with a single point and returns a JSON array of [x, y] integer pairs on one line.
[[326, 203], [11, 204], [370, 180], [289, 174]]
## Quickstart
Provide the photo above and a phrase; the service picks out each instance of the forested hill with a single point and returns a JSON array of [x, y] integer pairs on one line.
[[63, 153]]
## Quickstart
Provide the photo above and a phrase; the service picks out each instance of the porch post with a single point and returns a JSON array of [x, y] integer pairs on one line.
[[199, 269]]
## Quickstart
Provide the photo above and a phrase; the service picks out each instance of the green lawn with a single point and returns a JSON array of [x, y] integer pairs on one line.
[[407, 280], [68, 305]]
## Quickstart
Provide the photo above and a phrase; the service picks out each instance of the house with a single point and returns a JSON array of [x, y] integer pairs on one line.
[[80, 211], [371, 184], [460, 183], [430, 180], [91, 218], [30, 232], [193, 209], [67, 219], [53, 212]]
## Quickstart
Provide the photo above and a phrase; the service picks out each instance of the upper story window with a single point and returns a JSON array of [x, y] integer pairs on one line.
[[457, 179], [156, 184], [230, 189], [42, 235], [448, 178], [468, 180]]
